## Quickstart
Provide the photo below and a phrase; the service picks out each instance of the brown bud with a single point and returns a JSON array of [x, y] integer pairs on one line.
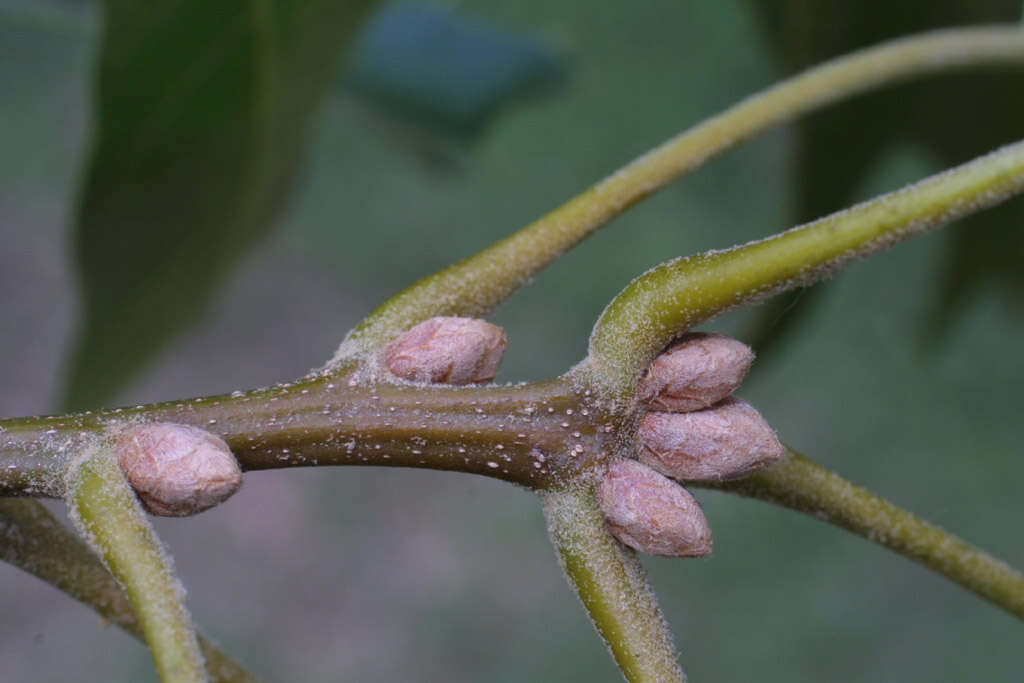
[[724, 442], [177, 470], [651, 513], [697, 371], [448, 350]]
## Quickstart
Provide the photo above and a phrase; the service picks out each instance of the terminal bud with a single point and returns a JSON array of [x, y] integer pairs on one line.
[[726, 441], [448, 350], [696, 372], [651, 513], [177, 470]]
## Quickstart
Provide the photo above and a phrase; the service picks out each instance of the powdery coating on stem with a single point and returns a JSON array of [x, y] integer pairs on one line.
[[800, 484], [696, 372], [480, 283], [33, 540], [448, 350], [727, 441], [177, 470], [670, 299], [651, 513], [107, 514], [612, 585]]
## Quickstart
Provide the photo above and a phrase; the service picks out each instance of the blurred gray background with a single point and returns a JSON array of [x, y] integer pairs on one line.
[[366, 575]]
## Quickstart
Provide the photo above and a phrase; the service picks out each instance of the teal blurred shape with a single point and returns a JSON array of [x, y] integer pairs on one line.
[[446, 72]]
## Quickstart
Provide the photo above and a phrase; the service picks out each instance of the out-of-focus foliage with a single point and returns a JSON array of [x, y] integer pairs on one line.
[[410, 575], [201, 112], [949, 119]]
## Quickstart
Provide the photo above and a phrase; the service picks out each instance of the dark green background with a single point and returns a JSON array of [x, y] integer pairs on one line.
[[358, 574]]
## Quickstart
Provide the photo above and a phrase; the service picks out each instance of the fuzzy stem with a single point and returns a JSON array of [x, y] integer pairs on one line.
[[668, 300], [110, 518], [477, 285], [612, 586], [537, 435], [33, 540], [803, 485]]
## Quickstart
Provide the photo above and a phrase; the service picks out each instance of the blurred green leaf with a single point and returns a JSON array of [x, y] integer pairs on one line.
[[951, 119], [444, 71], [201, 112], [988, 254]]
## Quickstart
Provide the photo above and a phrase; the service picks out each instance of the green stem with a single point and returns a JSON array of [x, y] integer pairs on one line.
[[803, 485], [536, 435], [110, 518], [33, 540], [666, 301], [480, 283], [611, 584]]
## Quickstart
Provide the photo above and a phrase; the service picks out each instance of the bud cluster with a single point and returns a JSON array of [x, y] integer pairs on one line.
[[695, 430]]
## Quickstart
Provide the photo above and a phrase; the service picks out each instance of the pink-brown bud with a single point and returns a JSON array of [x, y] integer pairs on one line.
[[177, 470], [699, 370], [448, 350], [727, 441], [651, 513]]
